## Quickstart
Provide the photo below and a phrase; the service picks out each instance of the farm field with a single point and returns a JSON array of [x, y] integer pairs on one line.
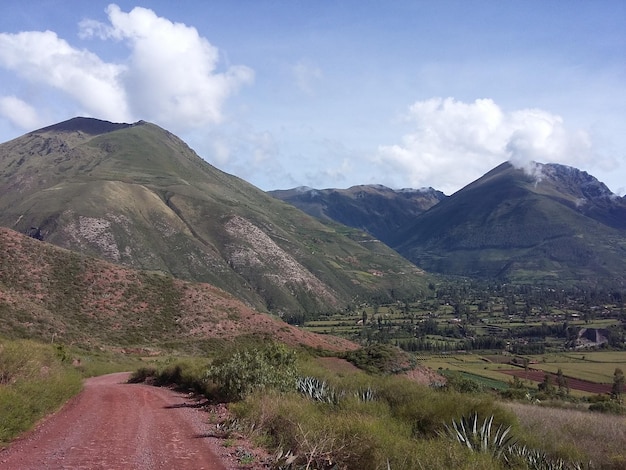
[[589, 372], [573, 384]]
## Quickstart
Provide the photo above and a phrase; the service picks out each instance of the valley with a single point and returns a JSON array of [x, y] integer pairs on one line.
[[407, 308]]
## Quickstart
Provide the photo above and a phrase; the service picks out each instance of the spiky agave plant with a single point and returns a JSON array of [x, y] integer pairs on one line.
[[365, 394], [481, 438], [538, 460], [317, 390]]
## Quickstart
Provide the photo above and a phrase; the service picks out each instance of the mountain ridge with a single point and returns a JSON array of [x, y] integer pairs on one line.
[[375, 209], [136, 194], [511, 223], [542, 223]]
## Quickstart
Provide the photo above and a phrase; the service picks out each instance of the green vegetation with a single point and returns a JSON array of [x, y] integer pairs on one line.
[[240, 373], [37, 379], [358, 420], [34, 381]]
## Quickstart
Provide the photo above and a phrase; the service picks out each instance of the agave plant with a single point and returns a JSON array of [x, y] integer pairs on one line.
[[481, 438], [537, 459], [317, 390], [365, 394]]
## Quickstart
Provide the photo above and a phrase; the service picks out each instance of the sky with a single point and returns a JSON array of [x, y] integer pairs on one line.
[[333, 93]]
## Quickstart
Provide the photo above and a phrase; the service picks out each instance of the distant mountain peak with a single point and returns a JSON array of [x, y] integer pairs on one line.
[[541, 221], [374, 208], [591, 187]]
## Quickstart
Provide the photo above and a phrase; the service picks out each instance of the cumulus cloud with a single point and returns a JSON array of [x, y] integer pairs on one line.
[[452, 143], [20, 113], [44, 58], [170, 75]]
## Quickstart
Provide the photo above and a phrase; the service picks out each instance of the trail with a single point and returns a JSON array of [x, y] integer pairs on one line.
[[113, 425]]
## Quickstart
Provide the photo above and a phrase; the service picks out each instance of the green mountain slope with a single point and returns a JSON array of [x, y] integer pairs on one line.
[[559, 224], [52, 294], [137, 195], [376, 209]]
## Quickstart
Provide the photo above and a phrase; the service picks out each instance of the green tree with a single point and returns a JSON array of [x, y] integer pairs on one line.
[[618, 385], [546, 385], [561, 382]]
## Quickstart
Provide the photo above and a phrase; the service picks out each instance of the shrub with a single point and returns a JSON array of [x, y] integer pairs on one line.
[[143, 374], [186, 375], [455, 381], [612, 407], [380, 358], [242, 372]]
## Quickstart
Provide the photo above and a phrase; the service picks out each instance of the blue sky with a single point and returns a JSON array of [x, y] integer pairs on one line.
[[333, 93]]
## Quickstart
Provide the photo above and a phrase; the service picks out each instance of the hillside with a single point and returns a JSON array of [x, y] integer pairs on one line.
[[376, 209], [52, 294], [558, 225], [137, 195]]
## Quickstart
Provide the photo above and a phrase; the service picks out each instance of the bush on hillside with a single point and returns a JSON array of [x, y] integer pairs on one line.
[[244, 371]]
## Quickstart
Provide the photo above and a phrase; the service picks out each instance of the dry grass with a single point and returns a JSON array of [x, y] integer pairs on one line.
[[576, 434]]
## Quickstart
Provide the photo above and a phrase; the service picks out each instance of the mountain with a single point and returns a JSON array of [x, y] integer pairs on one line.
[[553, 223], [52, 294], [376, 209], [137, 195]]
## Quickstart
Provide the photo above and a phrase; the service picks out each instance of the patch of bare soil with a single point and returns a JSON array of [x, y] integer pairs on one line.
[[574, 384], [338, 365], [114, 425], [424, 376]]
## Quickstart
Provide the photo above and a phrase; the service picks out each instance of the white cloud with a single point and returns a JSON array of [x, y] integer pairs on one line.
[[452, 143], [170, 76], [44, 58], [20, 113]]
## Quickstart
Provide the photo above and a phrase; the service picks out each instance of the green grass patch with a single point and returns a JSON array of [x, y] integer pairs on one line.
[[36, 381]]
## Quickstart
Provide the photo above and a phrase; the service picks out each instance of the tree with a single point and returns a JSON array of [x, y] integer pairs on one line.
[[618, 385], [546, 385], [561, 381]]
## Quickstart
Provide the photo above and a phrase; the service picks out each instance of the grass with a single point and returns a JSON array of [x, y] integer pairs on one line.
[[362, 435], [400, 424], [581, 435], [35, 381]]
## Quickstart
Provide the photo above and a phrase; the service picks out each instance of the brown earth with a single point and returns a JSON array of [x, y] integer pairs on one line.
[[97, 303], [572, 383], [114, 425]]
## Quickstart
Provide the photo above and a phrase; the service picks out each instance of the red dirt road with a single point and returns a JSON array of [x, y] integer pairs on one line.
[[112, 425]]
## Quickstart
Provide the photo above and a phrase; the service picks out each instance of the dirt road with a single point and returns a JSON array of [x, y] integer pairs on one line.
[[112, 425]]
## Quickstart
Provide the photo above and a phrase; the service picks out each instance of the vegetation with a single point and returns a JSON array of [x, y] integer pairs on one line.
[[130, 193], [241, 372], [35, 380], [359, 420]]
